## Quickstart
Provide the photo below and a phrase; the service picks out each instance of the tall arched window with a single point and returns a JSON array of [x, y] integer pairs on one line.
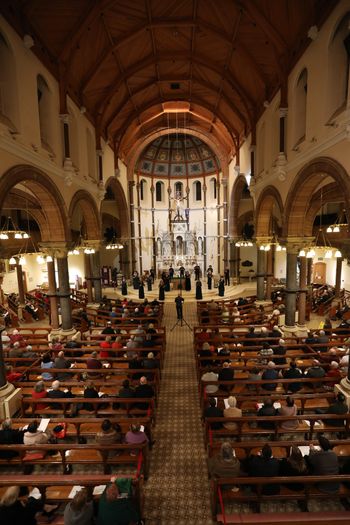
[[197, 190], [91, 154], [142, 189], [178, 189], [159, 191], [8, 87], [213, 187], [45, 112], [300, 108], [339, 67]]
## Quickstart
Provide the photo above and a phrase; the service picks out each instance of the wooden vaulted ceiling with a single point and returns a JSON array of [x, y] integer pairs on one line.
[[125, 60]]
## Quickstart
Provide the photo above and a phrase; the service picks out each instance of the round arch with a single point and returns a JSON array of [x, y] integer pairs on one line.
[[89, 209], [264, 209], [236, 193], [304, 186], [121, 204], [141, 143], [53, 207]]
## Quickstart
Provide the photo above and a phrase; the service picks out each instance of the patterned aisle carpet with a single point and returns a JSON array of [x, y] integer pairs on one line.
[[177, 491]]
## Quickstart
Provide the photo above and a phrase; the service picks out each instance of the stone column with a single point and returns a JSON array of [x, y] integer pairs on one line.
[[88, 276], [218, 226], [302, 291], [64, 292], [154, 249], [132, 225], [139, 229], [269, 272], [5, 388], [338, 277], [260, 274], [20, 283], [205, 244], [292, 288], [225, 232], [52, 293], [96, 275]]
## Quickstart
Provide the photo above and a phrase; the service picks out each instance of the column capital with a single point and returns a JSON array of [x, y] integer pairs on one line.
[[65, 118], [260, 241], [57, 249], [283, 112], [295, 244]]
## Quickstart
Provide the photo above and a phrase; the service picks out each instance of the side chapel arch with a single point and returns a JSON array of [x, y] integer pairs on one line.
[[264, 210], [236, 195], [89, 211]]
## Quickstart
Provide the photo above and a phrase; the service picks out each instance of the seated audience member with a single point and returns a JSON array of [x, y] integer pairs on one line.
[[117, 345], [334, 372], [33, 436], [205, 352], [115, 506], [143, 390], [109, 434], [232, 411], [275, 333], [266, 352], [294, 465], [16, 350], [16, 337], [213, 411], [323, 462], [92, 363], [322, 338], [46, 364], [150, 361], [39, 391], [225, 464], [16, 511], [90, 392], [249, 338], [208, 376], [135, 436], [108, 329], [289, 409], [11, 375], [279, 353], [56, 393], [315, 372], [270, 373], [264, 465], [226, 374], [80, 510], [267, 410], [293, 373], [104, 347], [338, 407], [126, 390], [61, 362], [9, 436]]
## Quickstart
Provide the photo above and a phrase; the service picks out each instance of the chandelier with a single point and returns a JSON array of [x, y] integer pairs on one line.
[[114, 245], [273, 242], [323, 244], [341, 222], [82, 246], [242, 243], [10, 230]]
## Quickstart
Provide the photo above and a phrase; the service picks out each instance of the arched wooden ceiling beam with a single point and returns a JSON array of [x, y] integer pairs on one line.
[[259, 18], [89, 16], [136, 114], [199, 81], [247, 101], [94, 69]]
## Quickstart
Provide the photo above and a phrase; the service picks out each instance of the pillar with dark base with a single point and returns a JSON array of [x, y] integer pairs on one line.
[[338, 277], [96, 274], [6, 389], [64, 293], [260, 275], [88, 277], [302, 291], [292, 287], [52, 293]]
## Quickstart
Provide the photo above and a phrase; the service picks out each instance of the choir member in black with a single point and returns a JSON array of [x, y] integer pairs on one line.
[[135, 280], [124, 286], [187, 282], [141, 290], [227, 276], [221, 286], [182, 271], [197, 272], [178, 301], [199, 294], [161, 290], [171, 273], [166, 280], [152, 274], [209, 279], [149, 283]]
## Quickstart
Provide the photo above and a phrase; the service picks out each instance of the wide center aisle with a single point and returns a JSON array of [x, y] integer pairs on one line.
[[177, 490]]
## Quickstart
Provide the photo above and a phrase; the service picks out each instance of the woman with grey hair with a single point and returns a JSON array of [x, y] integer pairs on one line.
[[225, 464]]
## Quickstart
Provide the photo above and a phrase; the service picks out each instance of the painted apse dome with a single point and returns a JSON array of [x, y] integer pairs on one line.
[[177, 155]]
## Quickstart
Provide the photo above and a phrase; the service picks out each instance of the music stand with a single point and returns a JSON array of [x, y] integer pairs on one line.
[[179, 311]]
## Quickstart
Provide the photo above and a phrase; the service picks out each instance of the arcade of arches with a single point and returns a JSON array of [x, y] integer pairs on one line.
[[176, 134]]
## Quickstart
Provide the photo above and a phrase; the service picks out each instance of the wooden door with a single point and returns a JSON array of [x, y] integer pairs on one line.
[[319, 273]]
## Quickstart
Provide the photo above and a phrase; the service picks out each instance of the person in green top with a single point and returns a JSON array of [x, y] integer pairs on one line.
[[116, 506]]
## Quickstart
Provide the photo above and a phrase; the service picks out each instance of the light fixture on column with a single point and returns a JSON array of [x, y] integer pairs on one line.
[[341, 222], [82, 246], [114, 244], [243, 242], [10, 229], [273, 242]]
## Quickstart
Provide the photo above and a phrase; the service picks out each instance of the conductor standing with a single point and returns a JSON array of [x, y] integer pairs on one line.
[[179, 300]]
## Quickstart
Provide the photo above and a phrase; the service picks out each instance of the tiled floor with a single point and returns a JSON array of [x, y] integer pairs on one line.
[[177, 491]]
